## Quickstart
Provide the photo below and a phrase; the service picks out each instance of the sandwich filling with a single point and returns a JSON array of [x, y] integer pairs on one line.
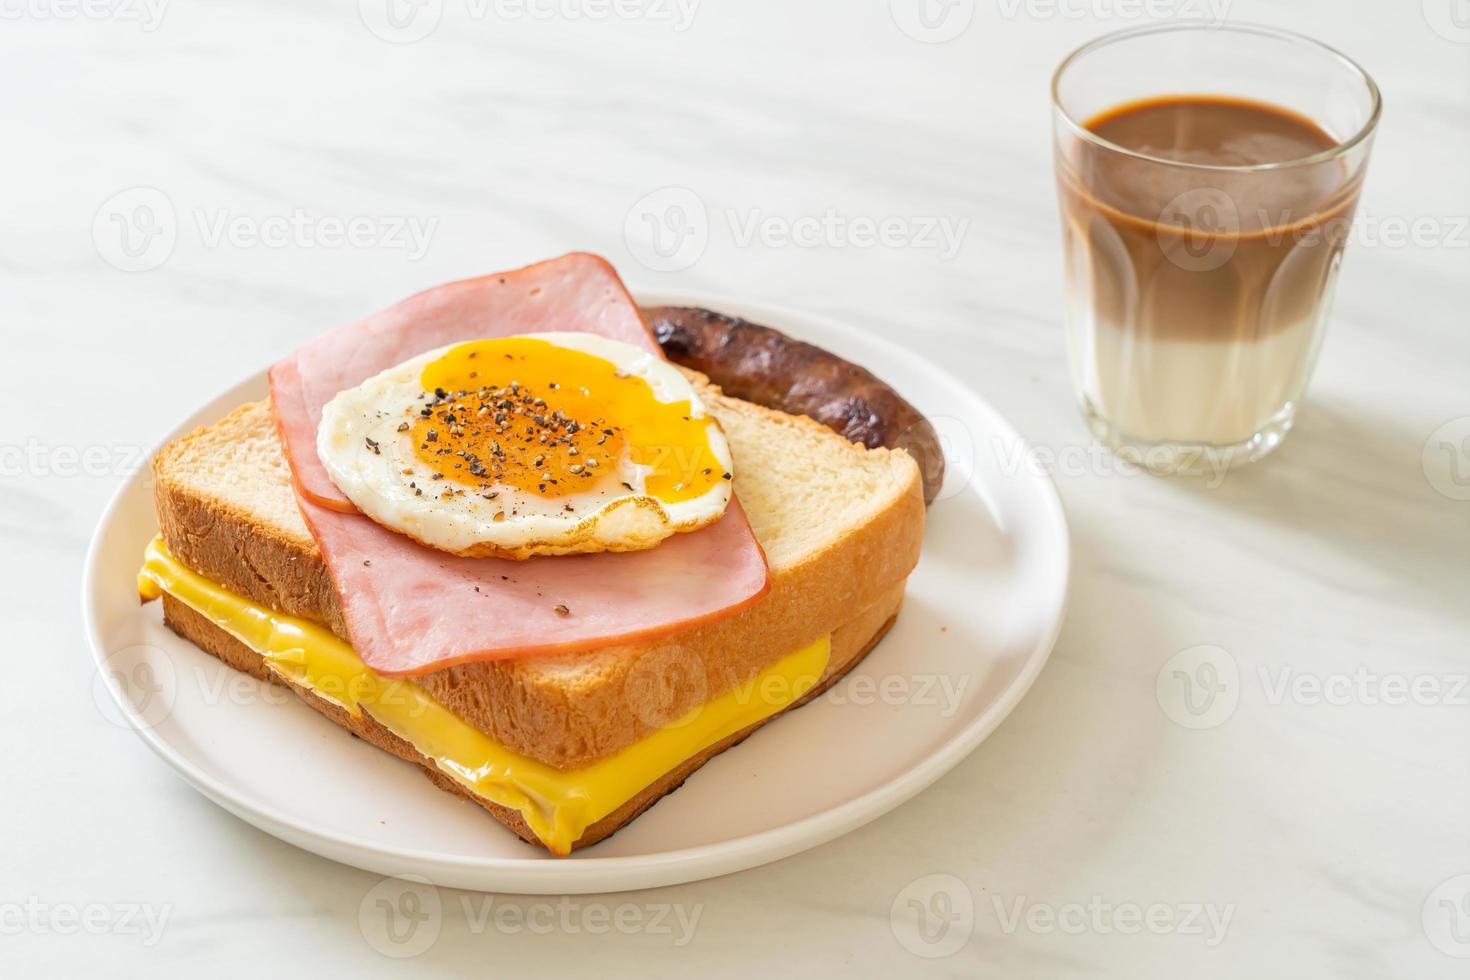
[[558, 805]]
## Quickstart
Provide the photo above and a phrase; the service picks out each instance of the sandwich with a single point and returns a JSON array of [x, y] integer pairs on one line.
[[497, 532]]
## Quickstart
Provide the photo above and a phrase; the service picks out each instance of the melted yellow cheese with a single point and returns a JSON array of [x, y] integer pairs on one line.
[[558, 805]]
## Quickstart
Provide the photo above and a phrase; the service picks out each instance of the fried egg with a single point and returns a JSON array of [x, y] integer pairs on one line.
[[543, 444]]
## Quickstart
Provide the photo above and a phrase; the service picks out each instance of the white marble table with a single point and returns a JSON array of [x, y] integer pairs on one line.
[[1321, 824]]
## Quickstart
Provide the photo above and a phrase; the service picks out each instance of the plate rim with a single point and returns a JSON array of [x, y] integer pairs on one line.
[[578, 875]]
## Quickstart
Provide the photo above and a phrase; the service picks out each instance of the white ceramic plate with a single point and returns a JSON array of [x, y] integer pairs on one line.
[[982, 613]]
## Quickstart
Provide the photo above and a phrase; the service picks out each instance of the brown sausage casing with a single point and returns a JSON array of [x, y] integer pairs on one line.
[[765, 366]]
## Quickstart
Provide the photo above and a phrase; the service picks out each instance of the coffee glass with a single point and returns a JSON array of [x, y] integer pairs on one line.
[[1200, 268]]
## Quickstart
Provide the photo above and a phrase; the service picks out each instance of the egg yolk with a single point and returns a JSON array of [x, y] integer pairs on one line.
[[553, 421]]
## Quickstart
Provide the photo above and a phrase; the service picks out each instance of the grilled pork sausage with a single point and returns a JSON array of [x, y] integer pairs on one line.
[[765, 366]]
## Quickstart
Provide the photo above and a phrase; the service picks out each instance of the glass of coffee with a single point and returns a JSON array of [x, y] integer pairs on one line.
[[1208, 178]]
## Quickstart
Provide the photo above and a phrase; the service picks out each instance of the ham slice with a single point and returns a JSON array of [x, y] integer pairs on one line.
[[414, 610], [411, 610], [575, 292]]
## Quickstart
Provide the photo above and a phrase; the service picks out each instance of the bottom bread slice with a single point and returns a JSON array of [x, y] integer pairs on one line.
[[851, 642]]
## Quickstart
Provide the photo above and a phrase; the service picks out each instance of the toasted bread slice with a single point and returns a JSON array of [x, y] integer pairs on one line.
[[841, 526], [850, 643]]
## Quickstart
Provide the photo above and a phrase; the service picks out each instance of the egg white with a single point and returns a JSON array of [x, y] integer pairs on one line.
[[374, 465]]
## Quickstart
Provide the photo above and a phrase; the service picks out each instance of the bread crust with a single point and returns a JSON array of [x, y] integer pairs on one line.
[[565, 711], [851, 642]]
